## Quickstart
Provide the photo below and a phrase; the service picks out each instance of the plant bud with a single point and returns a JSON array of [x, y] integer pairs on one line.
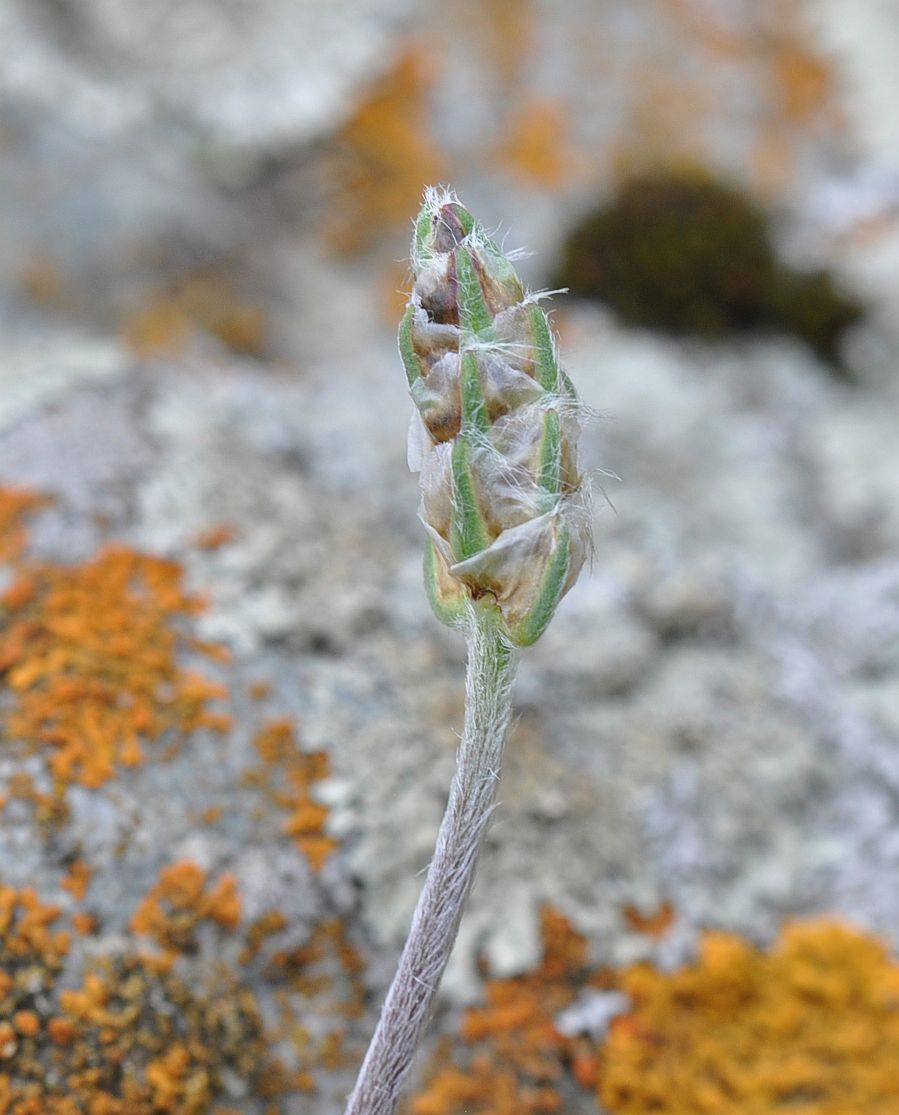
[[495, 433]]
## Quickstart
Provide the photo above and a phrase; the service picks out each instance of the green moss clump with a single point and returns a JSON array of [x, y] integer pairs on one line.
[[687, 254], [812, 306]]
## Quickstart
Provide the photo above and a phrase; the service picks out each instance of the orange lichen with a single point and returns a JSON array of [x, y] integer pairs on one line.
[[771, 161], [505, 32], [326, 974], [32, 954], [180, 900], [702, 26], [291, 775], [811, 1026], [266, 925], [130, 1039], [48, 808], [91, 667], [26, 930], [799, 99], [90, 655], [215, 536], [789, 101], [83, 923], [664, 125], [26, 1022], [61, 1030], [516, 1055], [78, 879], [40, 281], [203, 302], [382, 156], [16, 504], [655, 924], [536, 147], [804, 80], [277, 742], [8, 1045]]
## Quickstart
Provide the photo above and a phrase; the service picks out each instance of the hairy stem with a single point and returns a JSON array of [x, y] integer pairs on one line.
[[491, 670]]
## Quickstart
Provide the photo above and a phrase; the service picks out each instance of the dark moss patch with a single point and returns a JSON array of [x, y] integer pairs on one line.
[[690, 255], [811, 305]]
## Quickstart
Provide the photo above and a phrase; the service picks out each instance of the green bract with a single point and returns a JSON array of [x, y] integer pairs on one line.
[[497, 425]]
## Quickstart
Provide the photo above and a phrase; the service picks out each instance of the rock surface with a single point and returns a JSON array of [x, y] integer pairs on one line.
[[710, 721]]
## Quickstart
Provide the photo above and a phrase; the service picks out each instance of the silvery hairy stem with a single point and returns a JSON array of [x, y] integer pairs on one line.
[[491, 668]]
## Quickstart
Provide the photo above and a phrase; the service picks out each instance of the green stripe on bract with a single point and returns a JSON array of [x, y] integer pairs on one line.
[[474, 313], [449, 605], [468, 529], [566, 384], [421, 250], [474, 407], [529, 629], [544, 351], [501, 271], [549, 475], [411, 363], [464, 218]]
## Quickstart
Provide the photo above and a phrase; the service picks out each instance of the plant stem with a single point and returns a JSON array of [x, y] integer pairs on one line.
[[407, 1008]]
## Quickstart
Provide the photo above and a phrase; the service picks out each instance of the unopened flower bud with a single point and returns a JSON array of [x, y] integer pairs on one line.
[[504, 506]]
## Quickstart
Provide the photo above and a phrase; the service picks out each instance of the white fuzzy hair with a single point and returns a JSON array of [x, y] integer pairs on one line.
[[491, 671]]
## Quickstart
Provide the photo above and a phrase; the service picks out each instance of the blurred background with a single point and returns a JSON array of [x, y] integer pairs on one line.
[[228, 717]]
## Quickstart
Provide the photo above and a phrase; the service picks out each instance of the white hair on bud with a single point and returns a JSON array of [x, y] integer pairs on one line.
[[488, 345], [534, 296], [478, 238], [437, 196]]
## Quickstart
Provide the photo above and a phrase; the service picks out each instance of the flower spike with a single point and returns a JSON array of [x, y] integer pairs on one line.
[[502, 499]]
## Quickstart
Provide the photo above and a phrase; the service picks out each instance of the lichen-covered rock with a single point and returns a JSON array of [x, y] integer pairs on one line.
[[812, 1025], [246, 77]]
